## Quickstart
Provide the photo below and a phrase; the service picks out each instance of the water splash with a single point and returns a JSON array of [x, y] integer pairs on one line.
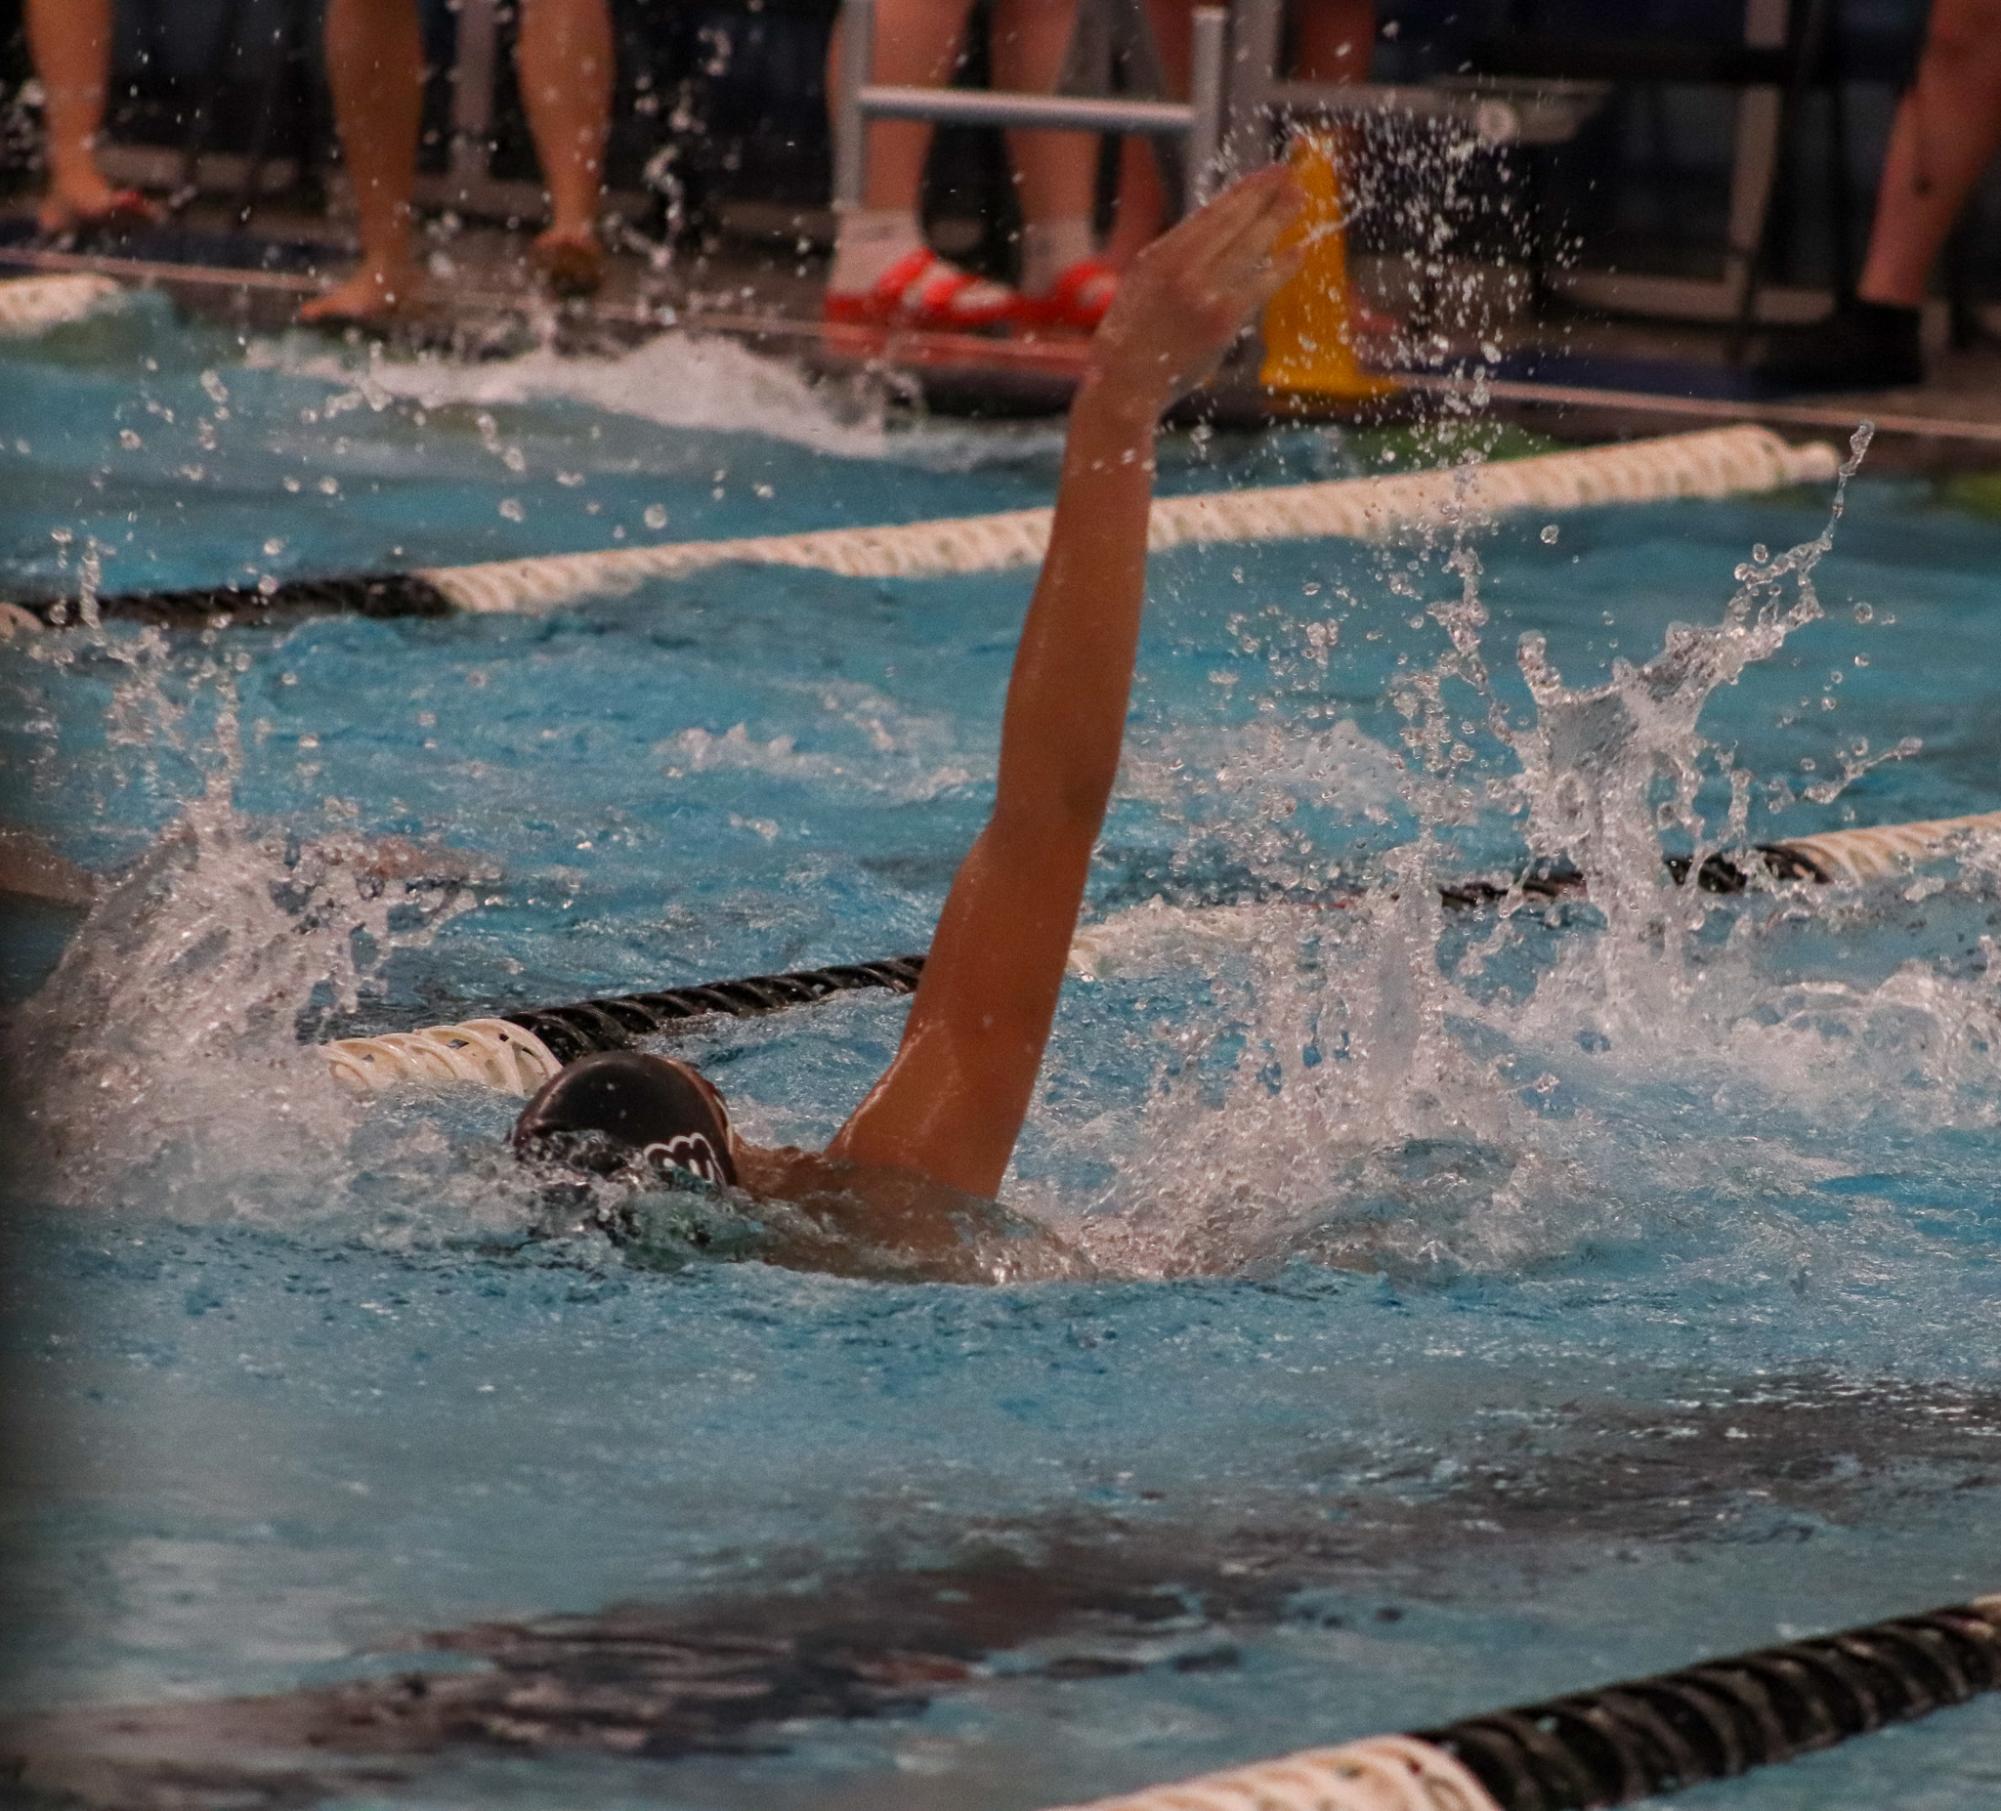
[[164, 1051], [1386, 1086], [676, 380], [867, 741]]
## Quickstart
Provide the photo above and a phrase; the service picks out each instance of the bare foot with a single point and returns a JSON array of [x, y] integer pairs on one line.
[[374, 296], [89, 203], [571, 261]]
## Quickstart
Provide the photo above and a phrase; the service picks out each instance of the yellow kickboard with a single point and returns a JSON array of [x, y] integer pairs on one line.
[[1309, 344]]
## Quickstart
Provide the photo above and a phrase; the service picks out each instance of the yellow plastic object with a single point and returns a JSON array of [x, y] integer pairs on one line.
[[1309, 346]]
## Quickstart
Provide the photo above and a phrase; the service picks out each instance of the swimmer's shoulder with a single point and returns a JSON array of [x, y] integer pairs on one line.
[[920, 1226]]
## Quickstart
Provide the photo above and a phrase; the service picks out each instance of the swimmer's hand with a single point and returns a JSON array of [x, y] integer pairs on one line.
[[1190, 293]]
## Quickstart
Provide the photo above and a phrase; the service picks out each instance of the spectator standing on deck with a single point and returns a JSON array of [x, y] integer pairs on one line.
[[1331, 42], [1947, 130], [375, 64], [70, 42], [884, 273]]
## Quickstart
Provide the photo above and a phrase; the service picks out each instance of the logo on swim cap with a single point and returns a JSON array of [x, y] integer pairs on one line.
[[689, 1151]]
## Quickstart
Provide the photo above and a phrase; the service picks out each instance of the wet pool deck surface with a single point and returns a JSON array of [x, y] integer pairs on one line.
[[759, 287]]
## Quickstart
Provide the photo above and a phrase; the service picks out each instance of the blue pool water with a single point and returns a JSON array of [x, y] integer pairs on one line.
[[1490, 1305]]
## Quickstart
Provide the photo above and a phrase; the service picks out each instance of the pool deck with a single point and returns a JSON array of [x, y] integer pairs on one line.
[[1574, 377]]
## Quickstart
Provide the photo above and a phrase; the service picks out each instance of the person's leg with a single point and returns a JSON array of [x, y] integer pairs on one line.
[[1332, 40], [1055, 172], [875, 245], [916, 44], [1947, 130], [1333, 43], [1143, 200], [375, 66], [565, 54], [70, 42]]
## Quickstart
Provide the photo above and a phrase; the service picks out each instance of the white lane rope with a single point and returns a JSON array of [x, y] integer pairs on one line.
[[1383, 1773], [512, 1056], [1717, 462], [1886, 849], [494, 1052]]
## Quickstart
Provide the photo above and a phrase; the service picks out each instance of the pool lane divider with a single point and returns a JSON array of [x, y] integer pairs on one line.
[[521, 1051], [518, 1051], [1717, 462], [1635, 1739]]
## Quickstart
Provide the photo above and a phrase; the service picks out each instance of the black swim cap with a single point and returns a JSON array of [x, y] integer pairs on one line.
[[608, 1112]]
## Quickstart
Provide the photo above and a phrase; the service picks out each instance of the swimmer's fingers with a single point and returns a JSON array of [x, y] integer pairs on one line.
[[1188, 295], [1212, 230], [1236, 261], [1269, 204], [1251, 270], [1254, 273], [1245, 268]]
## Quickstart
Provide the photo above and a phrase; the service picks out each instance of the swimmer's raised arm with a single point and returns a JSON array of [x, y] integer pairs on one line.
[[952, 1103]]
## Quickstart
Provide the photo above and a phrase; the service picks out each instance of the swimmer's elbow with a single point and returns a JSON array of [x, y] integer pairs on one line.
[[1085, 798], [1068, 810]]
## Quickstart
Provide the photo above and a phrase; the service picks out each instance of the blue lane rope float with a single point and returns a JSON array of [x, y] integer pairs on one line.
[[518, 1051], [1635, 1739], [1716, 462]]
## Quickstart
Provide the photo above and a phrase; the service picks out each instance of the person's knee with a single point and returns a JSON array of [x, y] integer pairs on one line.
[[1964, 38], [1012, 16], [371, 15]]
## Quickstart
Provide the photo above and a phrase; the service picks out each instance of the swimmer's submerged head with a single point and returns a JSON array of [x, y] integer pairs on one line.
[[628, 1111]]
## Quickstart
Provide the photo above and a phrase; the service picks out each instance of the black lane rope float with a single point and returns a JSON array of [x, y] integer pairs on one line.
[[1717, 462], [1629, 1741], [522, 1050], [347, 594], [1721, 1718], [519, 1050]]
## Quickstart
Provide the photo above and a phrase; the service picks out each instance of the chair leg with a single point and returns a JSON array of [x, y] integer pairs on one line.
[[1806, 31], [228, 37], [1755, 255], [1841, 185], [1963, 326], [277, 75]]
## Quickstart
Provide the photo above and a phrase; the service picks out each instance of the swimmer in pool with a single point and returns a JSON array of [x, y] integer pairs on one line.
[[916, 1168]]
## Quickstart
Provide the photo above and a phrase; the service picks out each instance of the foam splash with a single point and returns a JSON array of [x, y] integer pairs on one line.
[[32, 305], [675, 380], [904, 754], [163, 1054], [1380, 1087], [172, 1013]]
